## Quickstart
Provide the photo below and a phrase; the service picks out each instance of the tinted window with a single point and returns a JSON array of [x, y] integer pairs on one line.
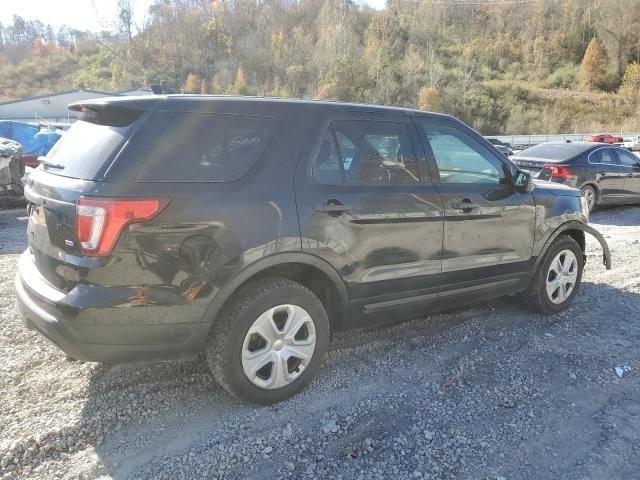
[[460, 158], [554, 151], [200, 147], [605, 156], [84, 148], [628, 158], [366, 152]]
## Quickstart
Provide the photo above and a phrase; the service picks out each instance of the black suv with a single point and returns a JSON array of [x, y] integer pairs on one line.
[[251, 229]]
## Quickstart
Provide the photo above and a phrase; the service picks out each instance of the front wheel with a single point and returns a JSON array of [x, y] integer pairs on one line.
[[556, 281], [269, 340]]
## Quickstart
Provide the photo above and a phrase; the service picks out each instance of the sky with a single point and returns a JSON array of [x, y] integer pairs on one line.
[[93, 15]]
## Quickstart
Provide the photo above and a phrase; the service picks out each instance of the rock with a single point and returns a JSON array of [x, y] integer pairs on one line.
[[330, 427], [267, 450], [289, 466]]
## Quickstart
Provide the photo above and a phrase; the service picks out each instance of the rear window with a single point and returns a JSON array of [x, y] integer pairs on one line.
[[83, 149], [92, 141], [553, 151], [203, 147]]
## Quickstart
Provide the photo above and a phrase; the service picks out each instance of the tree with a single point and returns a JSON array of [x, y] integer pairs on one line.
[[240, 85], [430, 99], [594, 70], [630, 87], [296, 79], [191, 84]]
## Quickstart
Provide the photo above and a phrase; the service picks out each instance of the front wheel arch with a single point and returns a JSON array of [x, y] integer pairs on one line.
[[577, 231]]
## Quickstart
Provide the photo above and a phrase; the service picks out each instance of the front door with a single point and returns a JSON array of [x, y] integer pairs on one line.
[[366, 206], [489, 227], [632, 181], [610, 175]]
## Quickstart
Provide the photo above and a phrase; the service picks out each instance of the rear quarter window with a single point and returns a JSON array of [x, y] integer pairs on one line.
[[207, 147]]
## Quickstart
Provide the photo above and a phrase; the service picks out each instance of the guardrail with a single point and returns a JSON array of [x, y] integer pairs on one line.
[[528, 140]]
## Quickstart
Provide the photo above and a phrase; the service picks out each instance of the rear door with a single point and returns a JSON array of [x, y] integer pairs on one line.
[[488, 227], [367, 207], [610, 175], [632, 182]]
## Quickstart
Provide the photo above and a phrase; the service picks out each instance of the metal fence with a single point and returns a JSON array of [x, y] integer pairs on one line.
[[528, 140]]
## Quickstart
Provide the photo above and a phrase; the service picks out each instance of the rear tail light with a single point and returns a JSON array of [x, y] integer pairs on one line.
[[557, 171], [100, 221]]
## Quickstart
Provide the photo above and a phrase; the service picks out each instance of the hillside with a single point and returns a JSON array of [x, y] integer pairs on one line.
[[533, 66]]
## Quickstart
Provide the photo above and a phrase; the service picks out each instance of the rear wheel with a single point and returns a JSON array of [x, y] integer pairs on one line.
[[590, 195], [556, 281], [269, 341]]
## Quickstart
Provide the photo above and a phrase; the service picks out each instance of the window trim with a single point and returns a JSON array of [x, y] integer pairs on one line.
[[613, 149], [433, 165], [327, 125]]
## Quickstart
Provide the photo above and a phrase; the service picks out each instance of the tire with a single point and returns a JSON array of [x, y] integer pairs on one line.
[[276, 301], [537, 297], [591, 194]]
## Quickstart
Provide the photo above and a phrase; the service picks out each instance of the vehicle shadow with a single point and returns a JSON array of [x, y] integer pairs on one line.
[[13, 231], [627, 215], [140, 417]]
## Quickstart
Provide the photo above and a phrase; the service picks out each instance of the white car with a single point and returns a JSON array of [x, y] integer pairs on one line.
[[632, 143]]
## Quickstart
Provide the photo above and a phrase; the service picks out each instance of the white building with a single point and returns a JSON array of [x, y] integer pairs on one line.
[[53, 107]]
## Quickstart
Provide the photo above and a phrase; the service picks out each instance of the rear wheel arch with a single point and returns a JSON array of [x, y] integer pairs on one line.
[[308, 270]]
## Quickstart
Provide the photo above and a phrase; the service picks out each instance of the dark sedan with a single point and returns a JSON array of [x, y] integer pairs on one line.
[[606, 174], [502, 147]]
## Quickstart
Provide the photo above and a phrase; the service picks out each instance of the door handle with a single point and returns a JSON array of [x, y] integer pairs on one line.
[[466, 205], [332, 207]]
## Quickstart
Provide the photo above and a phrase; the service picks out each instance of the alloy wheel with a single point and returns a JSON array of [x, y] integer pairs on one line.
[[562, 276], [278, 346]]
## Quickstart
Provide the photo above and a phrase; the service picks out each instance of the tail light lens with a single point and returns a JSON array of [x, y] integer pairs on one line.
[[557, 171], [100, 221]]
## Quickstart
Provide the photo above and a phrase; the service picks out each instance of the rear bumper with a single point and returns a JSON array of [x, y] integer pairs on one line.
[[105, 334]]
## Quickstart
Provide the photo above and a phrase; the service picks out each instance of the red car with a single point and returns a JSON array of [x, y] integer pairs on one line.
[[603, 138]]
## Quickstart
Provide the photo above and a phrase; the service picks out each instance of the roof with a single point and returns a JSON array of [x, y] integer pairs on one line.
[[65, 92], [146, 101]]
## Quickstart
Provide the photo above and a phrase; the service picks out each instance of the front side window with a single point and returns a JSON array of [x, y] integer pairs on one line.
[[628, 159], [460, 158], [366, 153], [204, 147]]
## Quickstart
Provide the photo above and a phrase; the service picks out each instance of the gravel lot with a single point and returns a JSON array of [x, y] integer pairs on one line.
[[486, 392]]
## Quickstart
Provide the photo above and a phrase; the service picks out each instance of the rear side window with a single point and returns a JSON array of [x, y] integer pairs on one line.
[[203, 147], [366, 153], [606, 156]]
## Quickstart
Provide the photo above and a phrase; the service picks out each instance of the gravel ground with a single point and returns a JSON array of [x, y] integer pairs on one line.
[[486, 392]]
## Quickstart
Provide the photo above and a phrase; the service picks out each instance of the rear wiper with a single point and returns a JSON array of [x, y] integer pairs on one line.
[[49, 163]]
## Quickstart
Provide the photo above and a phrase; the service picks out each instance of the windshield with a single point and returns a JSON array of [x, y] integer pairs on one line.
[[557, 152]]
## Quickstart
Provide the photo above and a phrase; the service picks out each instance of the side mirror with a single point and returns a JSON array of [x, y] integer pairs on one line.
[[523, 182]]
